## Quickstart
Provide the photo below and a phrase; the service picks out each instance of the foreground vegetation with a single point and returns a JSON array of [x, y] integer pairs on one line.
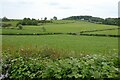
[[47, 64]]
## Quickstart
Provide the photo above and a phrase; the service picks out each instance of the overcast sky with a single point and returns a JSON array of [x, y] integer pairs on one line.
[[61, 8]]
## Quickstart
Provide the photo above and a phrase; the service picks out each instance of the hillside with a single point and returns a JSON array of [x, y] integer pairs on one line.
[[59, 26], [98, 20]]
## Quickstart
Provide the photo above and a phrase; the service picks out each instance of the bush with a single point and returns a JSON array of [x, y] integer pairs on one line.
[[28, 21], [4, 25], [20, 27], [43, 29]]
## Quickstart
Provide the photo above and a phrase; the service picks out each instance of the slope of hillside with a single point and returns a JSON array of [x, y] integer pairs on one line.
[[60, 26]]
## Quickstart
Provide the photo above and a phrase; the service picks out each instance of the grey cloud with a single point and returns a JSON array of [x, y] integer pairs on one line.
[[59, 6], [53, 4], [25, 3], [65, 7], [119, 9]]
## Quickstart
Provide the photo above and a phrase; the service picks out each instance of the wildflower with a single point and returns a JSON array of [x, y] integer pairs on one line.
[[21, 49]]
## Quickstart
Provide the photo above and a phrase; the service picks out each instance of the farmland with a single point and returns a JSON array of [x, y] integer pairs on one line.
[[30, 49], [76, 43], [113, 32], [66, 42], [62, 27]]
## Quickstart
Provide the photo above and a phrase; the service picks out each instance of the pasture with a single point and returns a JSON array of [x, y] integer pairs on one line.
[[55, 27], [112, 32], [80, 44], [76, 43]]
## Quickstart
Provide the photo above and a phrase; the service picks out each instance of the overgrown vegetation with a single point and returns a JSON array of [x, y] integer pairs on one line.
[[47, 64]]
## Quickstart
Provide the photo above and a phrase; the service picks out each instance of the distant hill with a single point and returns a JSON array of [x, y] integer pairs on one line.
[[108, 21]]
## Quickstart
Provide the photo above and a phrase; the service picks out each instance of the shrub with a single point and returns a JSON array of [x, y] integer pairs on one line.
[[4, 25], [43, 29], [20, 27]]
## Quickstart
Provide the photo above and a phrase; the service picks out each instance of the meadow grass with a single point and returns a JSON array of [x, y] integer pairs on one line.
[[12, 22], [80, 44], [111, 32], [76, 26]]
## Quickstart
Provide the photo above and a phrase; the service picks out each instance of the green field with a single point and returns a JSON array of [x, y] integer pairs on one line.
[[71, 43], [12, 22], [76, 26], [111, 32], [80, 44]]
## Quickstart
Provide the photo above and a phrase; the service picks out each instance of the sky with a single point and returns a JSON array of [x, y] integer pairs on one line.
[[18, 9]]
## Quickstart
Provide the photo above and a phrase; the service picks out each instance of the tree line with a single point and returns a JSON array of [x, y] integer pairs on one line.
[[28, 21], [107, 21]]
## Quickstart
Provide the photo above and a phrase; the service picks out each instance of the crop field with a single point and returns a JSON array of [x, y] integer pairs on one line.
[[60, 56]]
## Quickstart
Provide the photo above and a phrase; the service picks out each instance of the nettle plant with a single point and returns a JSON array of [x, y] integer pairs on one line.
[[86, 67]]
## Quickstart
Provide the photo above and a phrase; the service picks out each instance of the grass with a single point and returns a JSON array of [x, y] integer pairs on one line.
[[111, 32], [11, 22], [81, 44], [75, 26]]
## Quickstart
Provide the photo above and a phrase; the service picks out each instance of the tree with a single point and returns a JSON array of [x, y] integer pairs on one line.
[[5, 19], [28, 21], [54, 18], [45, 18], [118, 22], [110, 21], [20, 27]]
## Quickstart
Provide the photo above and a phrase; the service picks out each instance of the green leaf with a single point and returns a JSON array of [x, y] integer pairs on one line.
[[96, 74]]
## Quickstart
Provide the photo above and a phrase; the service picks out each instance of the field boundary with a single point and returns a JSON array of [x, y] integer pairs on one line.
[[104, 35], [82, 33]]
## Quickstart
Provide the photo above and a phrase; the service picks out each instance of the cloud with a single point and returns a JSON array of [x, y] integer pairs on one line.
[[59, 8], [53, 4], [119, 9], [65, 7]]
